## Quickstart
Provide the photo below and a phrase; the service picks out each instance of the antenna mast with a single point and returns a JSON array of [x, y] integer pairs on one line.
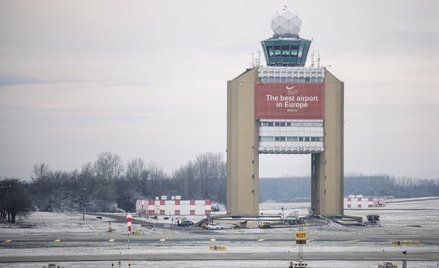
[[258, 58], [318, 58]]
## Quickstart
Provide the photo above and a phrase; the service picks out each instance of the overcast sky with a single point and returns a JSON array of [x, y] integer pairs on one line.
[[148, 79]]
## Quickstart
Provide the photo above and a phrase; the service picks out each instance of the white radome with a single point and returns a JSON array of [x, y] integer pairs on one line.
[[285, 22]]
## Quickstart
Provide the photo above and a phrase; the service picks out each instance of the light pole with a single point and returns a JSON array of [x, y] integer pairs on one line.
[[83, 209], [283, 221]]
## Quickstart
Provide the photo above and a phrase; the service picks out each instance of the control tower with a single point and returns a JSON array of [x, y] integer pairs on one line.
[[285, 108]]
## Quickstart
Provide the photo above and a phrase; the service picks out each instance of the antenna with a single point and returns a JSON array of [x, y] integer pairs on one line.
[[318, 58], [258, 58], [255, 59], [312, 59]]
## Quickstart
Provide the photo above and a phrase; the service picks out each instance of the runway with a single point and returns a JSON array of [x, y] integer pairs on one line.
[[341, 256], [188, 246], [66, 238]]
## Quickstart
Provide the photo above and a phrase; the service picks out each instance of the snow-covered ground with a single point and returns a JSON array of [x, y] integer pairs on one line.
[[415, 220], [215, 264], [48, 222]]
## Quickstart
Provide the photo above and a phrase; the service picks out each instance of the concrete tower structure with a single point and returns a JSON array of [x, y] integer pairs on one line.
[[285, 108]]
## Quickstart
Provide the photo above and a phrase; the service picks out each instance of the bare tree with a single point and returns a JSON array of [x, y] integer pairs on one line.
[[95, 192], [158, 180], [135, 168], [108, 166], [88, 170], [203, 178], [40, 170], [184, 178], [14, 199]]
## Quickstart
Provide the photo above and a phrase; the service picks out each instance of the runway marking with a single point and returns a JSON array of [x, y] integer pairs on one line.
[[8, 241]]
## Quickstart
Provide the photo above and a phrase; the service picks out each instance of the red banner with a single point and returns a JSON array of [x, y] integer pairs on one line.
[[290, 100]]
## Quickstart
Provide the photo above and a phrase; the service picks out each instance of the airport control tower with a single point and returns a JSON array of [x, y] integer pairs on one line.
[[285, 108]]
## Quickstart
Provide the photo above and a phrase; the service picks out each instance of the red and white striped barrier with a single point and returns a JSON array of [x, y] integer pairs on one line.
[[129, 220]]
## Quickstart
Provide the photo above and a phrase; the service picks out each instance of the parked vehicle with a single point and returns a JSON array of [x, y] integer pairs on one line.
[[215, 208], [202, 223], [183, 222], [213, 226], [265, 224]]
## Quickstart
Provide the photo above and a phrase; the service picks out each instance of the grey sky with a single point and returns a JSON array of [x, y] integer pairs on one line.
[[148, 79]]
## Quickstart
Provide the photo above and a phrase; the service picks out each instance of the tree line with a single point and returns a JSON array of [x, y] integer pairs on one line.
[[299, 188], [108, 184]]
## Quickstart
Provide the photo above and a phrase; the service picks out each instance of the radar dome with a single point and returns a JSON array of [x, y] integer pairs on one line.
[[286, 23]]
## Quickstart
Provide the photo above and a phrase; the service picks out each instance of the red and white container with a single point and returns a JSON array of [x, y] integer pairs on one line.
[[363, 202], [173, 207]]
